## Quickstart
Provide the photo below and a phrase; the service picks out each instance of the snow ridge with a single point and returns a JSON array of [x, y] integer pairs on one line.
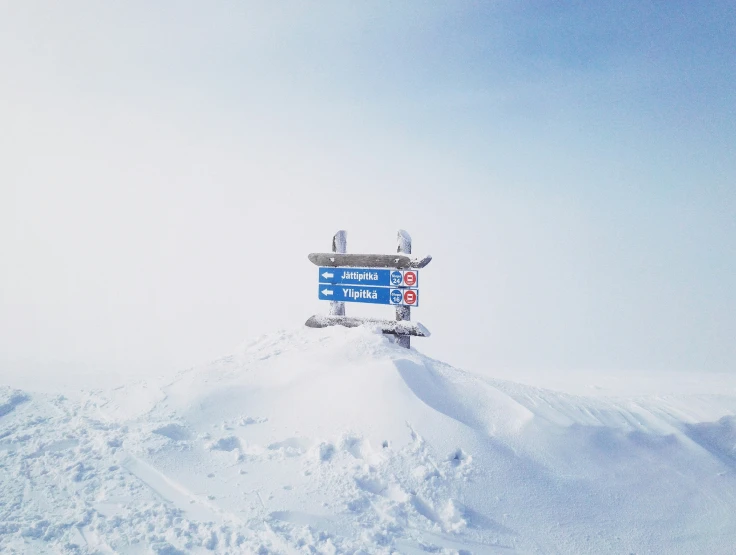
[[338, 441]]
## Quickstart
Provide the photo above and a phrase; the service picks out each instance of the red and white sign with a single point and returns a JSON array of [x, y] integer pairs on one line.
[[410, 297], [410, 278]]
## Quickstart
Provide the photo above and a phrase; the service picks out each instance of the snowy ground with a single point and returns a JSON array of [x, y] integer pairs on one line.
[[337, 441]]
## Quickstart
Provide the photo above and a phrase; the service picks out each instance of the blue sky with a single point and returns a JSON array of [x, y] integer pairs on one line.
[[575, 160]]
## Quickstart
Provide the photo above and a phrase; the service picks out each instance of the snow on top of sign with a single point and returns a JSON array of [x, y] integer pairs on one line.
[[338, 441], [380, 326]]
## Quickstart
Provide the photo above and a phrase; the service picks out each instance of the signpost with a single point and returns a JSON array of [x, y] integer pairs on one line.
[[371, 295], [339, 246], [370, 278], [403, 313]]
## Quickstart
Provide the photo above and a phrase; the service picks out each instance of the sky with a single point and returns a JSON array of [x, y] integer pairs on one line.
[[165, 168]]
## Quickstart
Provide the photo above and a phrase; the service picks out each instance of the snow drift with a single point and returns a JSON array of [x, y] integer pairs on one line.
[[338, 441]]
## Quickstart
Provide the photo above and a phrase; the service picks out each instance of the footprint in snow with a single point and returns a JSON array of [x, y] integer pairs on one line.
[[175, 432], [291, 447], [459, 458], [249, 420], [229, 443]]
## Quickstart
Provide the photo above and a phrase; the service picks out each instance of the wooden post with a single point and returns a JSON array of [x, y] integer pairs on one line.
[[339, 245], [403, 312]]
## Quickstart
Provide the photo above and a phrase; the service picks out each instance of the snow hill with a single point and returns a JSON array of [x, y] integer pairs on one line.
[[338, 441]]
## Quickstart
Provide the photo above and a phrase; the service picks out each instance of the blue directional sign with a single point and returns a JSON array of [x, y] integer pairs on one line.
[[372, 295], [375, 277]]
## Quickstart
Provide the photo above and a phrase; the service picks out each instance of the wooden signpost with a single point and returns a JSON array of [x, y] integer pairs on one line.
[[390, 279], [403, 313]]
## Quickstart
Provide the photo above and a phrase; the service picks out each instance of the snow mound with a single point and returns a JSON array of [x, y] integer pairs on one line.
[[338, 441]]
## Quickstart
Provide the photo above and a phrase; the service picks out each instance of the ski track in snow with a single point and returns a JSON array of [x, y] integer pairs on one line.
[[338, 441]]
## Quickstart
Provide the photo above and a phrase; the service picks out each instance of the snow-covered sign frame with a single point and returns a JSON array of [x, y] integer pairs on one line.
[[402, 327]]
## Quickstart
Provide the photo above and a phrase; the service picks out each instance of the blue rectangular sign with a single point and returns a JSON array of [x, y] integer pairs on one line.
[[375, 277], [372, 295]]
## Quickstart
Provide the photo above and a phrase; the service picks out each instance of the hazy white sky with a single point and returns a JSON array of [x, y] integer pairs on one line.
[[165, 169]]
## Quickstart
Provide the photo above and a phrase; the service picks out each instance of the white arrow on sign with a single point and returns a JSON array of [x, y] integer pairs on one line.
[[328, 275], [327, 291]]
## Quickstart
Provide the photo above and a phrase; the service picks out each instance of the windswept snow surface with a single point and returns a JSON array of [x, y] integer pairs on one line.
[[338, 441]]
